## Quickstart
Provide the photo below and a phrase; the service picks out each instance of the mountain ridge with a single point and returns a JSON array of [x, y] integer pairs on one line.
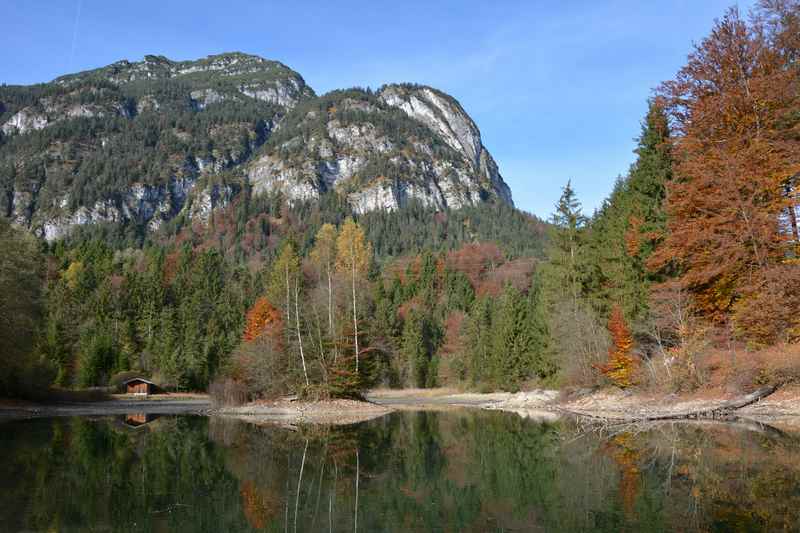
[[141, 142]]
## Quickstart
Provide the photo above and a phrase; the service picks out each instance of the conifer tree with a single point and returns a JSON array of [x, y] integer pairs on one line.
[[624, 232], [566, 248], [419, 343], [20, 304], [479, 340]]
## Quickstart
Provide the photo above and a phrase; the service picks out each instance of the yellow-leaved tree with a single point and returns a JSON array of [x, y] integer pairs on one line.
[[353, 255], [284, 280], [323, 255]]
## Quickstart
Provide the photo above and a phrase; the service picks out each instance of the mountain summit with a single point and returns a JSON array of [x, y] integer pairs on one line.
[[142, 142]]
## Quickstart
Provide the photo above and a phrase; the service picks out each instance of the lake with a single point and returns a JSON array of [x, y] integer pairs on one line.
[[457, 470]]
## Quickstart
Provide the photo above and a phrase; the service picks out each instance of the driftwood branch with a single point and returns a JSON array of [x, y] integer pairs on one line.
[[723, 410]]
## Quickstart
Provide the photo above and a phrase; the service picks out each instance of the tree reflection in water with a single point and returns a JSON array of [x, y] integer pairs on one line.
[[464, 470]]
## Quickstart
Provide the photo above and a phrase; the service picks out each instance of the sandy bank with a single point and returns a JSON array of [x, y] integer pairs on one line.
[[783, 405], [434, 397], [784, 402], [334, 412]]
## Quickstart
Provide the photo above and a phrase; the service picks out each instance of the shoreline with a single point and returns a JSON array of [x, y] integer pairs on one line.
[[784, 401], [613, 405], [113, 407]]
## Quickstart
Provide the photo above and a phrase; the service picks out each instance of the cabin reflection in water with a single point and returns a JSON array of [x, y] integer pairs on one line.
[[136, 420]]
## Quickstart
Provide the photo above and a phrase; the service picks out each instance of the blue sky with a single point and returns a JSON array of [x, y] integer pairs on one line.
[[558, 88]]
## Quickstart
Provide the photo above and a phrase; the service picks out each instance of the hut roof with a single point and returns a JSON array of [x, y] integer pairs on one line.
[[142, 380]]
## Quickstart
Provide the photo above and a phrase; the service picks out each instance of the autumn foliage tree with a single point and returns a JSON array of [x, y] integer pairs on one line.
[[735, 109], [621, 365], [353, 255], [258, 367], [262, 318]]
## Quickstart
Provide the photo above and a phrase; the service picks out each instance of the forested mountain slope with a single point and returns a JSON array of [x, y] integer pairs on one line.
[[131, 141], [136, 144]]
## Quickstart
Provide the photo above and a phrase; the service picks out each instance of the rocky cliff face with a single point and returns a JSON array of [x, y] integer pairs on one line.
[[143, 142], [447, 118], [381, 150]]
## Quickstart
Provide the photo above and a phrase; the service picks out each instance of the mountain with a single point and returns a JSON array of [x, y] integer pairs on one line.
[[142, 142], [381, 150]]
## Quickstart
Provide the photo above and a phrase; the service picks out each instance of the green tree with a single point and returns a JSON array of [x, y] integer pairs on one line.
[[421, 338], [571, 321], [518, 340], [479, 340], [20, 307], [565, 253], [624, 232], [96, 360], [284, 286]]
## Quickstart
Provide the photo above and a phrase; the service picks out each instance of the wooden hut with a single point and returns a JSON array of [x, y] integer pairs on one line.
[[140, 386]]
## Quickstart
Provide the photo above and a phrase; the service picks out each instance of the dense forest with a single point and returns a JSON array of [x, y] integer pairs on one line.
[[178, 306], [695, 251]]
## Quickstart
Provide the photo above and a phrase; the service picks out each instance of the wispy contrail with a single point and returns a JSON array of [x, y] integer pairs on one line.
[[75, 34]]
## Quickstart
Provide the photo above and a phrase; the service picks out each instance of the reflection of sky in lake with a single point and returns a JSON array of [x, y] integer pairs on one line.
[[464, 470]]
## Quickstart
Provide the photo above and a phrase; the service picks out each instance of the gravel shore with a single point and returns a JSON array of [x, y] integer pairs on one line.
[[538, 404], [336, 412]]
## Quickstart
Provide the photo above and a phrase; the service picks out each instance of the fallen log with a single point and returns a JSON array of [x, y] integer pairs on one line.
[[723, 410]]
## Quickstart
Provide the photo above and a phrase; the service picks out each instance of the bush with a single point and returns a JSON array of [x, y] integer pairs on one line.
[[582, 343], [30, 380], [95, 394], [257, 369]]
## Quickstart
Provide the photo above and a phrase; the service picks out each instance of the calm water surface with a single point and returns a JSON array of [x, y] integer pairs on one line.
[[465, 470]]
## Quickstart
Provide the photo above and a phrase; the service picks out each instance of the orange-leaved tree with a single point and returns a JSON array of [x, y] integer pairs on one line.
[[735, 108], [621, 365], [627, 456], [262, 317]]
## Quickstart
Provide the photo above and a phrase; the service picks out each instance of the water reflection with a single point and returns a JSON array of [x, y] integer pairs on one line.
[[413, 471], [137, 420]]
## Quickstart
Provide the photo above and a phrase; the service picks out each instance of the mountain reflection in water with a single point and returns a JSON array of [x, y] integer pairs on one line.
[[464, 470]]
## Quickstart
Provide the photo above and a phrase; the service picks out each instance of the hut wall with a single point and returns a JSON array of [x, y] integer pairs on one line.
[[138, 388]]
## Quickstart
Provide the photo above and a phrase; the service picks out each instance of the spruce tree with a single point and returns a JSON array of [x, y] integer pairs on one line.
[[564, 270], [419, 343], [624, 232]]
